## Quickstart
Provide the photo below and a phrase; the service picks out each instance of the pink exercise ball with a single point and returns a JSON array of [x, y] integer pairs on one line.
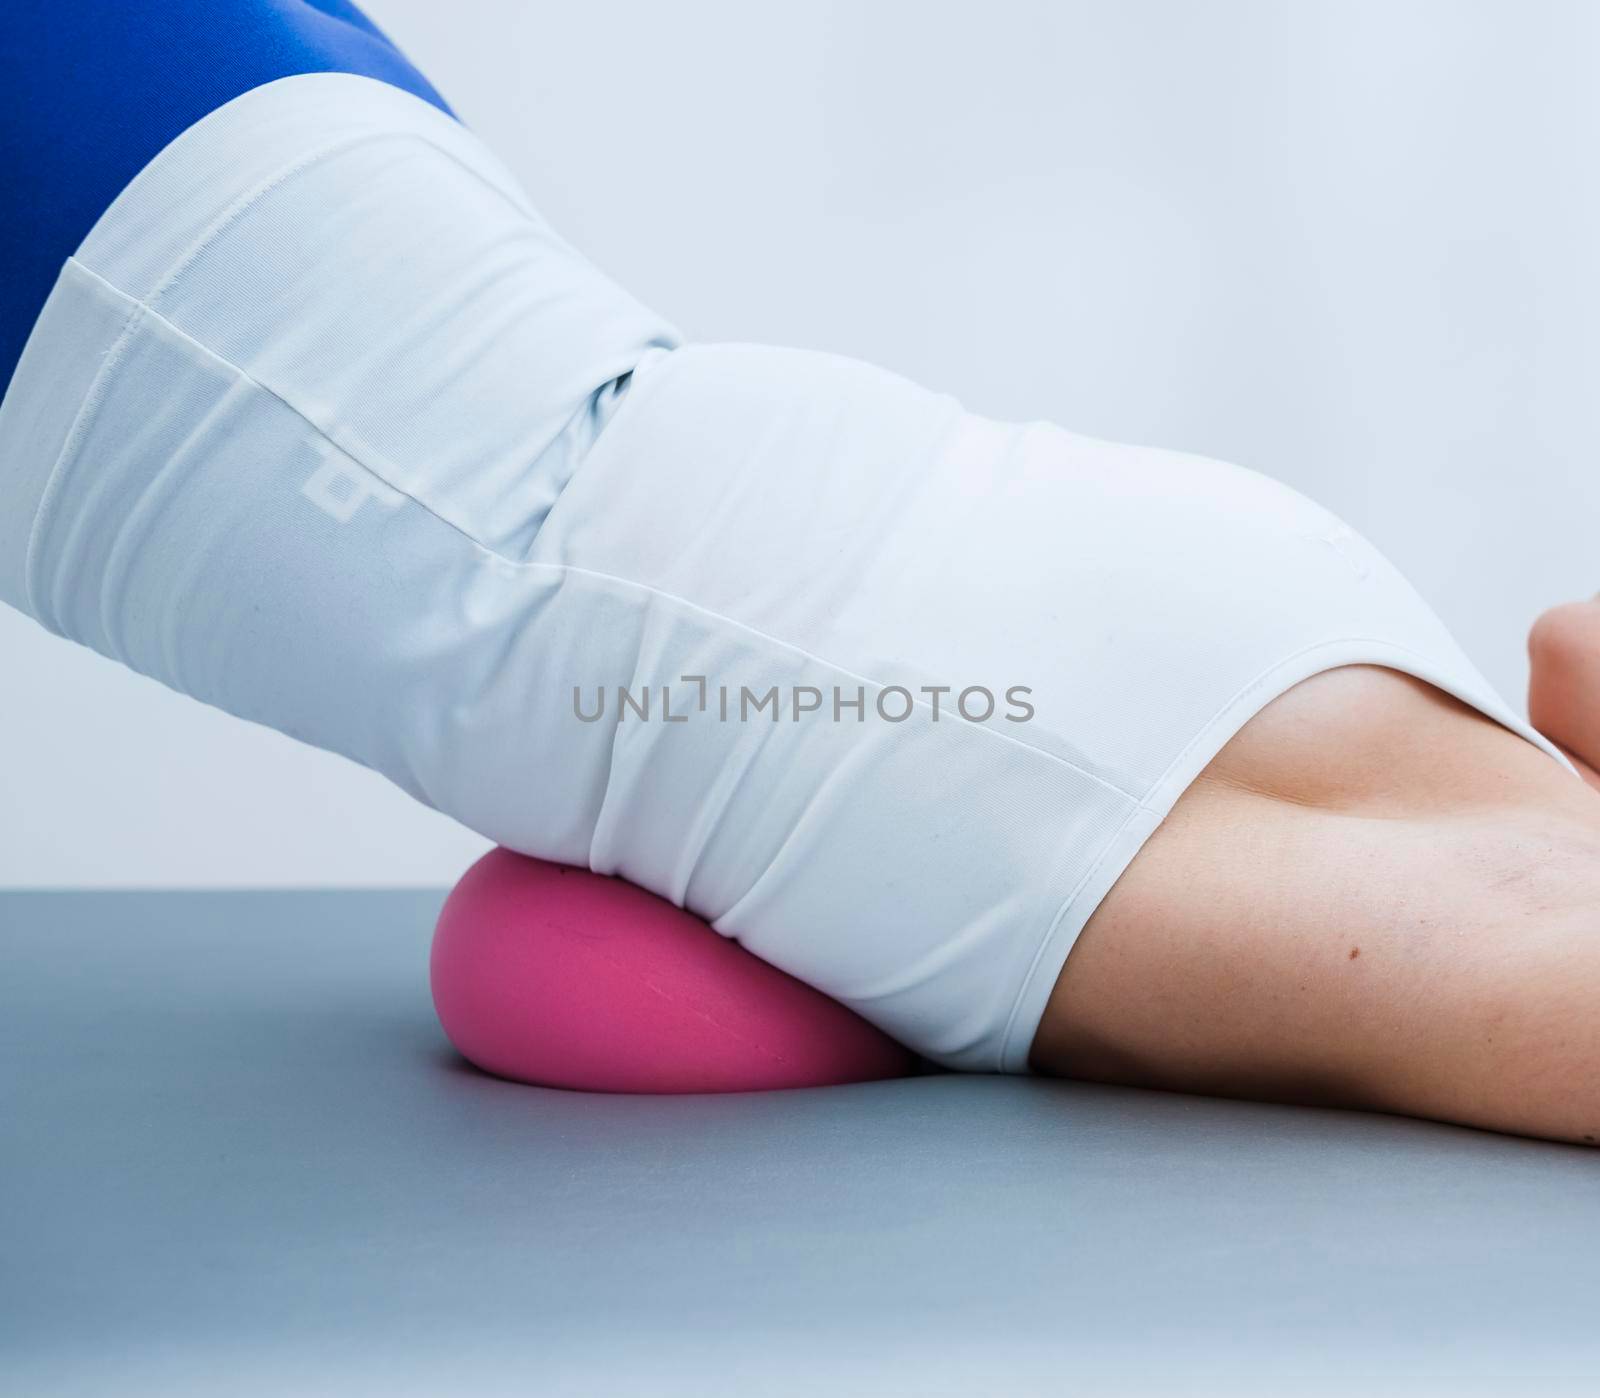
[[561, 977]]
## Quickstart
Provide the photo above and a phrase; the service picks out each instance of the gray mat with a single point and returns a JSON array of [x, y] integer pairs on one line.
[[238, 1156]]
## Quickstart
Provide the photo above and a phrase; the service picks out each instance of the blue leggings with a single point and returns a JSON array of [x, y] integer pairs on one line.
[[95, 88]]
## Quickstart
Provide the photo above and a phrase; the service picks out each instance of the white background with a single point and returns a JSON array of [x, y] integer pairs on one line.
[[1351, 244]]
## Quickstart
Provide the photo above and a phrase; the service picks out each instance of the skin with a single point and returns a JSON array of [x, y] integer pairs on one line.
[[1374, 897]]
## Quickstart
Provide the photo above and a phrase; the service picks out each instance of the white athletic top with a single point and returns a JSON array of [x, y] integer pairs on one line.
[[324, 426]]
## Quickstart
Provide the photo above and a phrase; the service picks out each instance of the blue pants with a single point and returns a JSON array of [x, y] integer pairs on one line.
[[95, 88]]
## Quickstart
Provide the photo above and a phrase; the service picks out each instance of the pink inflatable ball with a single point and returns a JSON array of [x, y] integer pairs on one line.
[[561, 977]]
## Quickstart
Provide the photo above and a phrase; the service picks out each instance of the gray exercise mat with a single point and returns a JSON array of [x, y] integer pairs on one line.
[[238, 1156]]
